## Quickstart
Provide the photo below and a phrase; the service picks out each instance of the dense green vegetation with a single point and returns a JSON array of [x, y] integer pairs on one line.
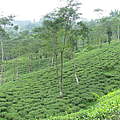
[[61, 68], [107, 107], [36, 95]]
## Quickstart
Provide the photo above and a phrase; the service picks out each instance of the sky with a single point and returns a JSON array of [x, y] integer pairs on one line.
[[36, 9]]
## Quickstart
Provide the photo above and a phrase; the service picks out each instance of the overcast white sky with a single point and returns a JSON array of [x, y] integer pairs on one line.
[[34, 9]]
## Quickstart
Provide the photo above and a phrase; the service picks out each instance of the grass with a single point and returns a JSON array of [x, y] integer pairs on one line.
[[35, 95]]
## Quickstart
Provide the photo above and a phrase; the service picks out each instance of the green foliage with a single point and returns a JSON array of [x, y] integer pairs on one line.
[[106, 108], [35, 95], [36, 65]]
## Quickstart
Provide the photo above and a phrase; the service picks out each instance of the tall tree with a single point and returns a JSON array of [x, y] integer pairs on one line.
[[4, 21]]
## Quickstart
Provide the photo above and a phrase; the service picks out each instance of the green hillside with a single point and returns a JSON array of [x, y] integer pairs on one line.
[[107, 107], [35, 95]]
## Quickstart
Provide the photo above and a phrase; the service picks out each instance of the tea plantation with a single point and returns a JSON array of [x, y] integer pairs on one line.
[[35, 95], [107, 108]]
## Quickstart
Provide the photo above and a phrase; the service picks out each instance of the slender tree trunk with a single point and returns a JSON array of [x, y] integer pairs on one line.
[[88, 41], [83, 43], [76, 45], [52, 61], [74, 69], [2, 64], [57, 72], [16, 70], [56, 65], [65, 39], [75, 74], [29, 63], [65, 35], [118, 30], [61, 76], [2, 51], [14, 67]]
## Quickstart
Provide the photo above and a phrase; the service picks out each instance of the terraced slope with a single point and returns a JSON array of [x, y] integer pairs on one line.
[[36, 95], [107, 108], [23, 65]]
